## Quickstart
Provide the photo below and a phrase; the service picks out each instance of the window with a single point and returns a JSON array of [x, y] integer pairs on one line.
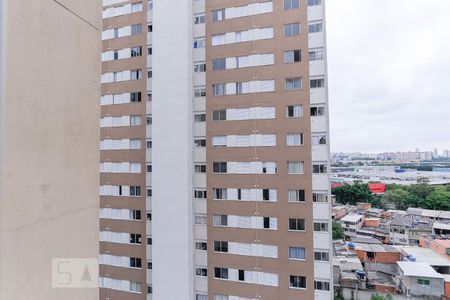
[[203, 272], [136, 29], [423, 281], [150, 28], [296, 195], [135, 238], [200, 143], [135, 97], [149, 192], [135, 74], [321, 227], [135, 214], [136, 51], [316, 54], [149, 168], [116, 54], [149, 216], [135, 262], [150, 4], [136, 7], [319, 168], [296, 167], [220, 115], [219, 167], [219, 141], [219, 64], [200, 68], [149, 120], [149, 241], [135, 191], [298, 282], [200, 168], [201, 246], [296, 224], [266, 194], [135, 286], [321, 256], [294, 111], [200, 220], [220, 246], [320, 197], [317, 83], [220, 220], [292, 56], [200, 92], [135, 120], [149, 51], [314, 2], [149, 73], [319, 139], [149, 144], [294, 139], [317, 111], [220, 194], [149, 287], [239, 88], [199, 43], [292, 29], [149, 97], [221, 273], [200, 194], [315, 27], [297, 253], [218, 15], [321, 285], [241, 275], [201, 297], [294, 83], [149, 265], [221, 297], [200, 117], [218, 89], [200, 19], [291, 4]]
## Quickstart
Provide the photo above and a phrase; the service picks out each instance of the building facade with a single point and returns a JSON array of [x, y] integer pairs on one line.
[[214, 151]]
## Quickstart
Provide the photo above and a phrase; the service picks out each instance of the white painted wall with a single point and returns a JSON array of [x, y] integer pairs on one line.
[[172, 151]]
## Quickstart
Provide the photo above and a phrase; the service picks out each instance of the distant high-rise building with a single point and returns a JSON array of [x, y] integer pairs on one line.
[[214, 151], [49, 153]]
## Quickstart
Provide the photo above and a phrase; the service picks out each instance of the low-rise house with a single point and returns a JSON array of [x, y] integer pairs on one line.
[[407, 230], [420, 279], [378, 257], [374, 212], [412, 253], [441, 246], [351, 223], [338, 212], [381, 282], [372, 222], [441, 229]]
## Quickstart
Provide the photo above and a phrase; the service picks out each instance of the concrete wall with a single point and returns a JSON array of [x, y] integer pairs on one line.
[[366, 295], [49, 143], [436, 287]]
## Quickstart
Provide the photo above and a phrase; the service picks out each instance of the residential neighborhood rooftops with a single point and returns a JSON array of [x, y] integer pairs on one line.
[[375, 247], [425, 255], [347, 263], [352, 218], [418, 269]]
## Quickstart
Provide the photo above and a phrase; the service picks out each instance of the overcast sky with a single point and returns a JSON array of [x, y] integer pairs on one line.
[[389, 74]]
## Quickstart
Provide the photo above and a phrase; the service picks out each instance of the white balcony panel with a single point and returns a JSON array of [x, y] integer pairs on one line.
[[200, 129], [200, 258], [321, 210], [200, 206], [199, 154], [199, 30], [320, 153], [201, 284], [200, 78], [198, 6], [320, 182], [200, 180], [318, 96], [149, 276], [199, 54], [315, 13], [149, 252], [322, 240], [319, 124], [322, 270], [322, 295], [149, 227], [317, 68], [315, 40], [200, 232], [199, 103]]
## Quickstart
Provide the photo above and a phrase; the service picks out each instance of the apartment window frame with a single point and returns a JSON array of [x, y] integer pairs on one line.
[[135, 191], [292, 29], [296, 224], [135, 238], [220, 115], [220, 220], [294, 253], [218, 15], [294, 111], [219, 64], [293, 83], [201, 246], [201, 271], [297, 282], [135, 262], [292, 56], [321, 255], [296, 196], [136, 29], [321, 285], [221, 273], [220, 167], [221, 246], [321, 227]]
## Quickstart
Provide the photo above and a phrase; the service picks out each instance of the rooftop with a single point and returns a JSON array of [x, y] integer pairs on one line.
[[347, 263], [425, 255], [443, 243], [429, 213], [352, 218], [419, 269], [375, 247]]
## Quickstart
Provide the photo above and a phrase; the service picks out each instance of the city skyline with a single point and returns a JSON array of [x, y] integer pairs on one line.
[[364, 71]]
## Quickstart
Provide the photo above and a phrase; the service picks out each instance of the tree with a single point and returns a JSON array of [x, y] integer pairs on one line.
[[380, 297], [338, 232], [398, 197], [439, 199], [357, 192]]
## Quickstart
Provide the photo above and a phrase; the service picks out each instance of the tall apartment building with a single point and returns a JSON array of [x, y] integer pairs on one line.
[[49, 91], [214, 161]]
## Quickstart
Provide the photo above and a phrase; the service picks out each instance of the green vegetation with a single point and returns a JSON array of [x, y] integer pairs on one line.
[[417, 195], [380, 297], [338, 232]]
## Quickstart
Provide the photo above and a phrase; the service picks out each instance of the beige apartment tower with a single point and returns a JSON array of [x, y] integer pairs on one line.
[[214, 143], [50, 86]]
